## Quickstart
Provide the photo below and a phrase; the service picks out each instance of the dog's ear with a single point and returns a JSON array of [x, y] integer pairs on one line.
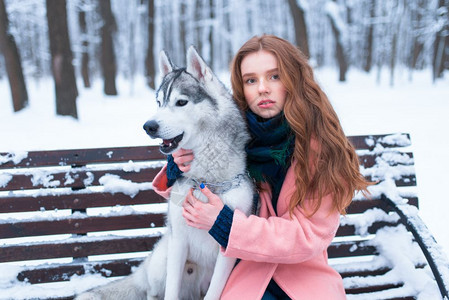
[[165, 64], [196, 65]]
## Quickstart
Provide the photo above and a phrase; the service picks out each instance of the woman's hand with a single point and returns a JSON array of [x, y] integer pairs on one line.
[[199, 214], [183, 158]]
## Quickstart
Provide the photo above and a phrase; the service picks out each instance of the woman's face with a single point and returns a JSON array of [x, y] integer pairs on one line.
[[262, 87]]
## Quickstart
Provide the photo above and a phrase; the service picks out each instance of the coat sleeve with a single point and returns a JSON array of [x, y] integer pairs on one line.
[[283, 239], [160, 183]]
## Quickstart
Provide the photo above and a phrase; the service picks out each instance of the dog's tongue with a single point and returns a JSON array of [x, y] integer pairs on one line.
[[166, 142]]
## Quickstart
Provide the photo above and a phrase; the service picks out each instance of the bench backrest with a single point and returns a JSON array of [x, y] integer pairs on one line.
[[358, 252], [70, 206], [73, 204]]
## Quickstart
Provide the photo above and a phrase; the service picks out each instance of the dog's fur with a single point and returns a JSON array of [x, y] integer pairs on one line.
[[195, 112]]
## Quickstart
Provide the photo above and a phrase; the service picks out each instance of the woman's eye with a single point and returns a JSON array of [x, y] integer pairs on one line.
[[181, 102], [250, 81], [275, 77]]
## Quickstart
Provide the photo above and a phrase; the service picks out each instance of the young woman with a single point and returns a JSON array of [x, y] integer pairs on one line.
[[306, 173]]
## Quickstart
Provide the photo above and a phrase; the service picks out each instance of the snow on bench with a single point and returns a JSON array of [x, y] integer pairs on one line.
[[74, 219]]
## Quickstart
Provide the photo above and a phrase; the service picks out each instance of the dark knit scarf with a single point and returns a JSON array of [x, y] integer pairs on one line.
[[173, 172], [269, 151]]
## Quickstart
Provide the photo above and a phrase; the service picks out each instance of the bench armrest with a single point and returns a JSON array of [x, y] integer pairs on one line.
[[433, 253]]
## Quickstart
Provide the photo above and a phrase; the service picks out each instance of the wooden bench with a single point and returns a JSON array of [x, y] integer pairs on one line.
[[71, 218]]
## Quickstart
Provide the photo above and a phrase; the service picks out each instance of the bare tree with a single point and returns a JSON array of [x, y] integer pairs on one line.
[[338, 30], [197, 19], [417, 49], [298, 14], [150, 69], [61, 58], [84, 48], [108, 63], [368, 62], [211, 34], [182, 27], [441, 45], [12, 61]]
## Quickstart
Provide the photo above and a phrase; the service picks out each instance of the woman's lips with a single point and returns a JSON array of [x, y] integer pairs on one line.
[[267, 103]]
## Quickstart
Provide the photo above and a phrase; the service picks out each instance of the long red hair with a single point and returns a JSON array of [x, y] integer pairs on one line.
[[326, 161]]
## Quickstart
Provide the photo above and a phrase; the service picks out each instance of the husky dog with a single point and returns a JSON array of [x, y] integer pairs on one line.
[[195, 112]]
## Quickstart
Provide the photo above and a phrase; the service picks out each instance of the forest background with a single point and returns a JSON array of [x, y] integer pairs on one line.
[[105, 39]]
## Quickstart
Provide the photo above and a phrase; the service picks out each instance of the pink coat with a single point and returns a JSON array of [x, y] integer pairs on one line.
[[292, 251]]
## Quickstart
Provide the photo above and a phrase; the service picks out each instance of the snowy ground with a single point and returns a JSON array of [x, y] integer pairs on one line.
[[365, 106]]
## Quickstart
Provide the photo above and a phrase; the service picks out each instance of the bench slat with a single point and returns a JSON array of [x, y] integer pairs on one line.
[[81, 157], [377, 271], [56, 273], [79, 225], [350, 249], [360, 141], [76, 201], [77, 179], [364, 273], [374, 288], [24, 182], [349, 230], [359, 206], [369, 160], [81, 200], [78, 248], [405, 180]]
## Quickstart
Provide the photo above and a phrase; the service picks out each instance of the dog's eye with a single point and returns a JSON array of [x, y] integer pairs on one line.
[[181, 102]]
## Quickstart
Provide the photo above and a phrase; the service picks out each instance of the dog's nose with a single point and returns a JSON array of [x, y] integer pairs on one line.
[[151, 127]]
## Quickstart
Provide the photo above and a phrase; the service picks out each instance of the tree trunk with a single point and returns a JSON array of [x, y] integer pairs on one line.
[[61, 58], [84, 49], [182, 27], [369, 38], [416, 14], [150, 69], [12, 61], [198, 29], [211, 34], [394, 47], [340, 54], [108, 62], [440, 60], [300, 27], [418, 48], [339, 51]]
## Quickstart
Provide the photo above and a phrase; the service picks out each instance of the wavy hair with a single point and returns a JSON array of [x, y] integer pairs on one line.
[[326, 162]]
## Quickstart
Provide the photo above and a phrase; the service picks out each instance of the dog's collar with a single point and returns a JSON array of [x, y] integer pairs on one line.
[[219, 187]]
